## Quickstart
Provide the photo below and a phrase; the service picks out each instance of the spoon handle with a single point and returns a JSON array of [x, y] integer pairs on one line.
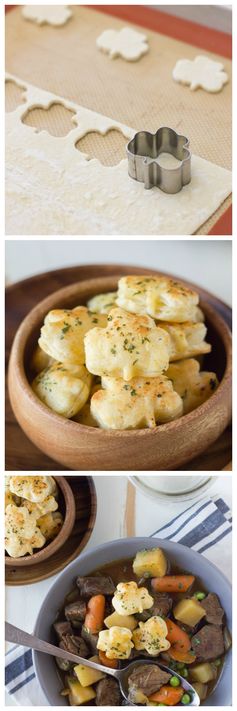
[[14, 634]]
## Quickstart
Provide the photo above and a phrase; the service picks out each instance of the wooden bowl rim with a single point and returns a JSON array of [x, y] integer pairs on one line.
[[22, 334], [60, 539]]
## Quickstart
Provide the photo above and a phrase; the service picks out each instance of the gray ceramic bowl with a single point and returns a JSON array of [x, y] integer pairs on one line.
[[186, 558]]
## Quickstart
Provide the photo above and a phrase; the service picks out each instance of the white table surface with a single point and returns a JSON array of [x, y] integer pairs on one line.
[[122, 511]]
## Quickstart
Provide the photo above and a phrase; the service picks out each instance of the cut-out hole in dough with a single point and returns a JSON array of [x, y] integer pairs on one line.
[[57, 120], [108, 149], [14, 95]]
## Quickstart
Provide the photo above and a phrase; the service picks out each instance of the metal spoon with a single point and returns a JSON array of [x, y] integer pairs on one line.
[[14, 634]]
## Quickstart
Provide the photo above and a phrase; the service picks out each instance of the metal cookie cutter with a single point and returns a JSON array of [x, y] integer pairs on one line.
[[143, 151]]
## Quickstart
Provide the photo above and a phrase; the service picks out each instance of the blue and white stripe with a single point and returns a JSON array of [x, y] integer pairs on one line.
[[201, 526], [19, 674]]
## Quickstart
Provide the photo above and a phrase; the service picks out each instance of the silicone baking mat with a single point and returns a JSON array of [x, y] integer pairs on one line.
[[140, 94]]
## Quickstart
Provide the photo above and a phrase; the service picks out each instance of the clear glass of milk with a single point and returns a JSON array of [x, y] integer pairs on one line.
[[173, 485]]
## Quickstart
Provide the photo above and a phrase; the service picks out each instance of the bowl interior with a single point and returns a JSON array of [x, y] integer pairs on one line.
[[215, 361], [212, 578]]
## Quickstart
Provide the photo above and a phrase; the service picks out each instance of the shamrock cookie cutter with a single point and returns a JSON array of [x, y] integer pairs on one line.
[[143, 152]]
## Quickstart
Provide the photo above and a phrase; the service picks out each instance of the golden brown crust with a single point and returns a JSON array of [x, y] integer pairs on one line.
[[62, 335], [193, 386], [129, 346], [63, 388], [187, 339], [161, 297], [33, 488], [142, 402]]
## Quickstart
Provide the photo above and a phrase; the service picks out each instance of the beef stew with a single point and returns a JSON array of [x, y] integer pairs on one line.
[[142, 608]]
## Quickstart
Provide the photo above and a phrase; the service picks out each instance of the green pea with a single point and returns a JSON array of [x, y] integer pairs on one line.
[[217, 662], [174, 681], [185, 673], [186, 699], [180, 665], [200, 595]]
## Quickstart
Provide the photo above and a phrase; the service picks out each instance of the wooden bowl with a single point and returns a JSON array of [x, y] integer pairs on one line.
[[68, 510], [84, 493], [80, 447]]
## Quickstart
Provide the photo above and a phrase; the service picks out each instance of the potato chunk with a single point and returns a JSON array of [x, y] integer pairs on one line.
[[87, 676], [189, 611], [78, 695], [150, 563], [203, 672], [201, 689], [116, 620]]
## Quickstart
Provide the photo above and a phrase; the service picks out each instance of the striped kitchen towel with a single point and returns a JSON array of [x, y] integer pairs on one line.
[[205, 526], [200, 527]]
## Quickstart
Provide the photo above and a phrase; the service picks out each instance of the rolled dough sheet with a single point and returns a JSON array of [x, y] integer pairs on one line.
[[52, 189]]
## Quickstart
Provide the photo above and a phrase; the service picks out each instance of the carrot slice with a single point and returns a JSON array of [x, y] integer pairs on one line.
[[172, 583], [94, 618], [112, 663], [186, 657], [168, 695], [180, 644], [177, 637]]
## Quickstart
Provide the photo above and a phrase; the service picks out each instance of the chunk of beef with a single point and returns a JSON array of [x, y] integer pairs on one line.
[[208, 643], [162, 606], [90, 639], [76, 612], [214, 611], [62, 628], [75, 645], [147, 678], [108, 693], [101, 584]]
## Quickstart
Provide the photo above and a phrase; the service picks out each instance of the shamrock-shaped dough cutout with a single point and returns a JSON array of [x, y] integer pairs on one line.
[[65, 389], [62, 335], [193, 386], [200, 72], [143, 402], [187, 339], [33, 488], [162, 298], [47, 14], [129, 346], [22, 532], [125, 43], [129, 599], [116, 642], [151, 636]]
